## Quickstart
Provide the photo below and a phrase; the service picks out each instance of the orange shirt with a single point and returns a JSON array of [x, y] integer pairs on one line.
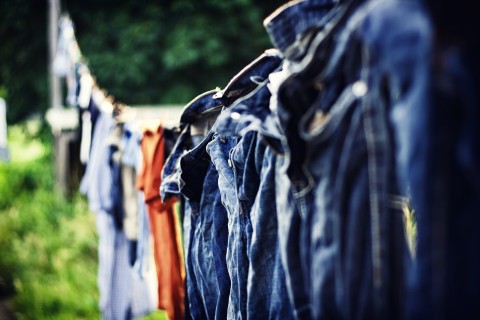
[[163, 225]]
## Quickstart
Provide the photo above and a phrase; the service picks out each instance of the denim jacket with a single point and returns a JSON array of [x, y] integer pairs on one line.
[[335, 110]]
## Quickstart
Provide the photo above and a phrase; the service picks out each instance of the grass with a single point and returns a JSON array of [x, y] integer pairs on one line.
[[48, 263]]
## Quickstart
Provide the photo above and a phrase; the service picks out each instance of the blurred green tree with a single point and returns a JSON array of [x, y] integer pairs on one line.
[[141, 51], [23, 57]]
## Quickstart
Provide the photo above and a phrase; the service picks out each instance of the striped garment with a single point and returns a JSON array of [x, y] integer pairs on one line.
[[122, 295]]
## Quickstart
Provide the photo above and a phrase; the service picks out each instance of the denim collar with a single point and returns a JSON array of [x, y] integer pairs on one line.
[[200, 107], [250, 77], [289, 23]]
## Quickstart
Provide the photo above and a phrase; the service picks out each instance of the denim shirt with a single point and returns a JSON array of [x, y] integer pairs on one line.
[[247, 174], [200, 107], [250, 77], [198, 180], [438, 136], [201, 304], [293, 21], [341, 158]]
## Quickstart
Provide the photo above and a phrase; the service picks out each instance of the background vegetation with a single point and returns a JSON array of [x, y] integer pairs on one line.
[[141, 51], [48, 245]]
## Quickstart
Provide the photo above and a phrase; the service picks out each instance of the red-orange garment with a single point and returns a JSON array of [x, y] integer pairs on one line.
[[168, 256]]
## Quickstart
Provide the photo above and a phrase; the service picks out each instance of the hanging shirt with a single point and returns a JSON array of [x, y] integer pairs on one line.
[[163, 225], [96, 184], [101, 188]]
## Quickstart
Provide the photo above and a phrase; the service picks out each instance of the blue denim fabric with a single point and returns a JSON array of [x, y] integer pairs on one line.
[[246, 182], [194, 299], [170, 184], [203, 288], [239, 227], [211, 102], [195, 304], [289, 23], [290, 29], [249, 113], [250, 77], [289, 229], [266, 280], [194, 170], [208, 243], [439, 158], [201, 106], [200, 187], [416, 161], [259, 119], [200, 275], [341, 162]]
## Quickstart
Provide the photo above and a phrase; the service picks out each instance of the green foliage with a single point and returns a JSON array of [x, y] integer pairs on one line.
[[48, 245], [157, 315], [141, 51], [23, 52], [169, 51]]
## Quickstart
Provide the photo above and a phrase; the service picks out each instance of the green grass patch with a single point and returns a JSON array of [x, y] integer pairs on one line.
[[157, 315], [48, 244]]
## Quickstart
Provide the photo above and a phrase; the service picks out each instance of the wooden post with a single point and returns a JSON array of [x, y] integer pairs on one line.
[[64, 125], [55, 89], [61, 160]]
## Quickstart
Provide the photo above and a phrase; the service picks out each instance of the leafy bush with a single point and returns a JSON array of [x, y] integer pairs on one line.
[[49, 258]]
